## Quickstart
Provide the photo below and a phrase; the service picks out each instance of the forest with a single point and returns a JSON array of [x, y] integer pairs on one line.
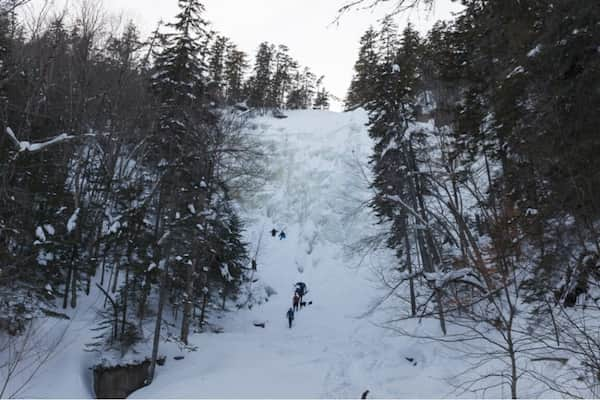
[[120, 157], [486, 178], [123, 160]]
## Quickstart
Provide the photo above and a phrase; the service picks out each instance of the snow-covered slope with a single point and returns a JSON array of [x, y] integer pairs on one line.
[[330, 351], [314, 193]]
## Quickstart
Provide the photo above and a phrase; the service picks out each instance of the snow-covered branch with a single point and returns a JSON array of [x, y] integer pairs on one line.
[[35, 147]]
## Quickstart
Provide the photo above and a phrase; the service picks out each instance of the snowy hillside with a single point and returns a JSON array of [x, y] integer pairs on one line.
[[330, 351]]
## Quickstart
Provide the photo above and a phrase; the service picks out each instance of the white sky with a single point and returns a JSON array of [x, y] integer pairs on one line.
[[305, 26]]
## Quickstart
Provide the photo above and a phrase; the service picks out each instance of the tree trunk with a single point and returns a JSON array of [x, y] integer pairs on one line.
[[67, 287], [74, 288], [144, 298], [116, 277], [203, 310], [125, 298], [188, 301], [224, 298], [554, 324], [429, 254], [94, 260], [161, 303], [411, 281], [458, 206], [441, 314], [109, 281], [513, 371], [69, 281], [89, 284], [103, 269]]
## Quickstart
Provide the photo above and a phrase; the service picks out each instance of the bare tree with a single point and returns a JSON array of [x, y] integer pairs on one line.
[[25, 354], [9, 6], [577, 352], [398, 6]]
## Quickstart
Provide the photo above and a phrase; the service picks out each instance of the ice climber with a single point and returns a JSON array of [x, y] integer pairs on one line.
[[296, 301], [290, 316], [281, 235]]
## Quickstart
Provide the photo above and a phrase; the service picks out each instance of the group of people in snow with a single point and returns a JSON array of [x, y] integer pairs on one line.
[[298, 302], [281, 234], [300, 290]]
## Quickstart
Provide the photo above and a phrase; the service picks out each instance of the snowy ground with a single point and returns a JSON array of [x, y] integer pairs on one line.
[[330, 351]]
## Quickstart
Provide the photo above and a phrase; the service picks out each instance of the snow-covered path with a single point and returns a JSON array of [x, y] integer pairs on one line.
[[329, 352]]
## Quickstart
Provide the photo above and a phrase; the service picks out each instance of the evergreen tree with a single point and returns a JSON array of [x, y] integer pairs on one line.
[[365, 72], [216, 67], [307, 88], [235, 67], [400, 148], [280, 84], [260, 82], [322, 100], [183, 138], [227, 255], [294, 99]]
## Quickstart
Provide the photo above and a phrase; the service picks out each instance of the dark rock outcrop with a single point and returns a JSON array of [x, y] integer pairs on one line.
[[118, 382]]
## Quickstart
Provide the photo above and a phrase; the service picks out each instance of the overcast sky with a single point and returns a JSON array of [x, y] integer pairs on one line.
[[305, 26]]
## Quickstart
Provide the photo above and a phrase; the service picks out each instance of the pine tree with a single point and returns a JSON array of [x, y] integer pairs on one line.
[[365, 72], [294, 98], [235, 67], [216, 67], [322, 100], [307, 88], [260, 82], [280, 84], [399, 149], [180, 75], [227, 255], [183, 136]]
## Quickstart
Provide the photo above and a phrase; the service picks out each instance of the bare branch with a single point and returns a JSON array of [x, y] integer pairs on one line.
[[399, 6], [9, 6]]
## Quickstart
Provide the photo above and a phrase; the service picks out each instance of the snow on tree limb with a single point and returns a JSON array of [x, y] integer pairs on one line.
[[35, 147], [72, 222], [164, 237], [12, 137]]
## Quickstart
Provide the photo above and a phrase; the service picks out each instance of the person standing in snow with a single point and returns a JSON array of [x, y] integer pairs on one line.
[[281, 235], [301, 290], [296, 301], [273, 232], [290, 316], [298, 293]]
